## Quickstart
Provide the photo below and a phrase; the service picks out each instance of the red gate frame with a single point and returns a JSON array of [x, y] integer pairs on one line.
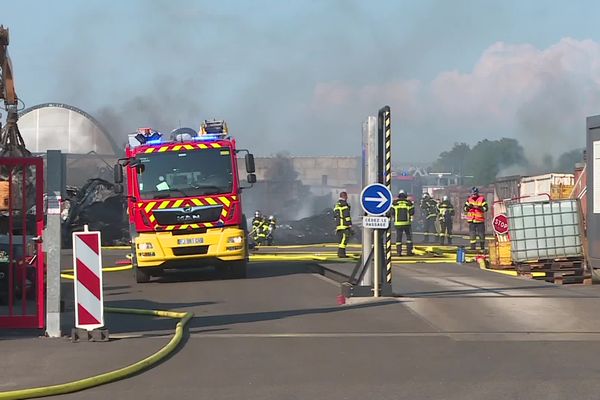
[[38, 319]]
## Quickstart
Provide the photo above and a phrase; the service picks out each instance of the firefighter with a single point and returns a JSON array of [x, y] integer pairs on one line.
[[476, 206], [257, 227], [404, 210], [429, 213], [270, 225], [343, 230], [446, 214]]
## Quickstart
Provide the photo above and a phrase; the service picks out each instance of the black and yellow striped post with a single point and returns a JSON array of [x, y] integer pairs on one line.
[[385, 177]]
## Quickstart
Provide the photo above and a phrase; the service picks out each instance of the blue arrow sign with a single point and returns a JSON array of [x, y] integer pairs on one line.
[[376, 199]]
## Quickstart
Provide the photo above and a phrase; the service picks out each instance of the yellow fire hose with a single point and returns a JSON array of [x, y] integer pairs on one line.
[[121, 373]]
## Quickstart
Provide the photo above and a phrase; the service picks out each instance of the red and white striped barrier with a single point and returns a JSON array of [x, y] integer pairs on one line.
[[87, 262]]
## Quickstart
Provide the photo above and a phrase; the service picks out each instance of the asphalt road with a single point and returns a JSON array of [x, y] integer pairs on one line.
[[457, 333]]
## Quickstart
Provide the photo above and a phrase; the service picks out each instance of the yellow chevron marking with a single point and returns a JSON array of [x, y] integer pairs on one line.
[[197, 202], [169, 227], [225, 201], [150, 150], [224, 213], [164, 204], [182, 227], [188, 147], [162, 149], [216, 146], [194, 226], [234, 198], [211, 201], [177, 203], [202, 146], [152, 218], [208, 224], [150, 206], [176, 147]]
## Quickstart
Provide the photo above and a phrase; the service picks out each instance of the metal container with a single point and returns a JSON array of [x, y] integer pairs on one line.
[[544, 230], [540, 187]]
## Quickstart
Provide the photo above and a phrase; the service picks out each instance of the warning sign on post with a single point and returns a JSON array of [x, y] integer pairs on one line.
[[376, 222]]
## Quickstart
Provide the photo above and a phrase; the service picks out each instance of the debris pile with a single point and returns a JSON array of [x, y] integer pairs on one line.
[[319, 228], [98, 206]]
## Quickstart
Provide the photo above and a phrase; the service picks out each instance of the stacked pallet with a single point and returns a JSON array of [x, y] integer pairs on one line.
[[559, 271]]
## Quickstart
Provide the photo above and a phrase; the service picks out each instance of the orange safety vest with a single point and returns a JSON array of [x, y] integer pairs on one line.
[[476, 208]]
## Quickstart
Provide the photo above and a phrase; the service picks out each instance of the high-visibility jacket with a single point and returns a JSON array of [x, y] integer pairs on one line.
[[341, 213], [475, 207], [429, 208], [445, 210], [403, 212]]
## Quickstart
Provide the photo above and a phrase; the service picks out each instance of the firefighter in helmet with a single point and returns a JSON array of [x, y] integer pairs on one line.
[[270, 225], [343, 221], [429, 214], [403, 212], [475, 207], [446, 214], [257, 227]]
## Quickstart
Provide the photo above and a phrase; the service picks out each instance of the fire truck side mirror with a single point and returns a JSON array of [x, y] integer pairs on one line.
[[251, 179], [250, 167], [118, 173]]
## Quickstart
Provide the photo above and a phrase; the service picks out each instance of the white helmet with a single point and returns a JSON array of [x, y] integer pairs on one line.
[[271, 218], [425, 195], [445, 198], [257, 214]]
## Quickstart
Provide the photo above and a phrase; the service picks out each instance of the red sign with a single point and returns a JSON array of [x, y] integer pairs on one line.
[[500, 224]]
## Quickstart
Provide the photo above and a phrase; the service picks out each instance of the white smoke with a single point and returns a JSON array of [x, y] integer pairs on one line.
[[538, 96]]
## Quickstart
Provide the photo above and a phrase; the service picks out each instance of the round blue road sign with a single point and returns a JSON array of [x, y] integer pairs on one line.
[[376, 199]]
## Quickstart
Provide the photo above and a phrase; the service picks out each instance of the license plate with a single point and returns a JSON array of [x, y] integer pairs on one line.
[[190, 241]]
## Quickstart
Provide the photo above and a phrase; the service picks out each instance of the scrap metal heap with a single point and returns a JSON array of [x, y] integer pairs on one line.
[[97, 205]]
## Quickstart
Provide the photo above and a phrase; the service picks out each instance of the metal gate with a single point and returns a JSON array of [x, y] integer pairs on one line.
[[22, 267]]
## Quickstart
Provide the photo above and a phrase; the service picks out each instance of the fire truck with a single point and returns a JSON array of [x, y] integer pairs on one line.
[[184, 200]]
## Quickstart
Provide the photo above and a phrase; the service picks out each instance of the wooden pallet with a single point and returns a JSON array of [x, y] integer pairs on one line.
[[559, 271]]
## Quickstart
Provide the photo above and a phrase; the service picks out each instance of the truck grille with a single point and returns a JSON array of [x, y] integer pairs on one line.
[[187, 215], [190, 250]]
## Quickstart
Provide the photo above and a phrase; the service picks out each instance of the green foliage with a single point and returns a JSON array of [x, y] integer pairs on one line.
[[484, 161]]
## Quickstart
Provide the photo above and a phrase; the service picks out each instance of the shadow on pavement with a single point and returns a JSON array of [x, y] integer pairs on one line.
[[482, 291], [255, 271], [120, 323]]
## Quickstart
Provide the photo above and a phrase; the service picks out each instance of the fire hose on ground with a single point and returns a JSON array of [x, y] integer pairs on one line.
[[118, 374]]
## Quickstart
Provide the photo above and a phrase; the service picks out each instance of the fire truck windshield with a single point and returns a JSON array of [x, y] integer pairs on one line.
[[183, 174]]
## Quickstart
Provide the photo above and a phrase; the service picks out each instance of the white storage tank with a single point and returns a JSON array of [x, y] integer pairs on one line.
[[544, 230]]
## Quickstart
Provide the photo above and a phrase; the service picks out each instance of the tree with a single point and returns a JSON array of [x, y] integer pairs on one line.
[[453, 161]]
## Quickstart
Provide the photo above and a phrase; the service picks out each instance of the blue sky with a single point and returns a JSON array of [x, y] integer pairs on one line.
[[300, 76]]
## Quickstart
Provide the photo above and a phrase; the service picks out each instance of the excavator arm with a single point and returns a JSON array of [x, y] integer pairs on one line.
[[11, 141]]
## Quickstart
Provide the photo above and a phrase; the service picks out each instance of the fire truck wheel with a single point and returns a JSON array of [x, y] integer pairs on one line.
[[141, 276]]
